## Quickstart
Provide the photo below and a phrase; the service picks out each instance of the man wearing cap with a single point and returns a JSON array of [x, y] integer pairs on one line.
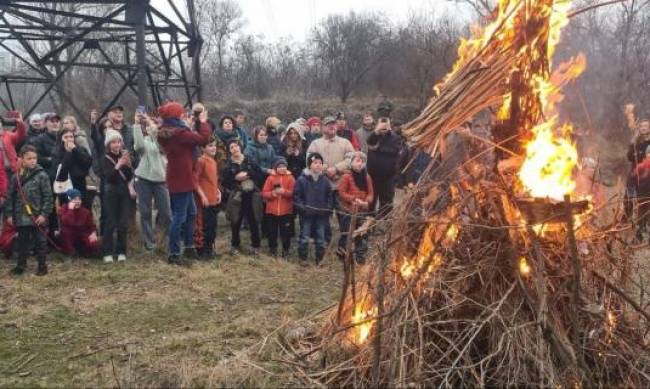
[[36, 128], [333, 148], [343, 131], [46, 142]]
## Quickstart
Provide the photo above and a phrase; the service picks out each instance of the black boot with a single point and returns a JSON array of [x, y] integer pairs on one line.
[[17, 271], [320, 253], [42, 269], [178, 261], [190, 253]]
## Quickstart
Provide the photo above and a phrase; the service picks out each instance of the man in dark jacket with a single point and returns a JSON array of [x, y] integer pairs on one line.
[[314, 200], [179, 142], [45, 143], [384, 148]]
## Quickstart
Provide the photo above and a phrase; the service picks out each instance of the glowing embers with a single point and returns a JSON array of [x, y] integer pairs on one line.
[[524, 267]]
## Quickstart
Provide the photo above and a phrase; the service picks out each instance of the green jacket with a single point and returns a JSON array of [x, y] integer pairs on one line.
[[38, 192]]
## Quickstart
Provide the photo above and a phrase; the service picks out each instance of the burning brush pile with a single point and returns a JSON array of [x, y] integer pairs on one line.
[[498, 276]]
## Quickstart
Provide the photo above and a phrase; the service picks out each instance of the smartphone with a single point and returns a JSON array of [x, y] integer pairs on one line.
[[141, 109], [12, 114]]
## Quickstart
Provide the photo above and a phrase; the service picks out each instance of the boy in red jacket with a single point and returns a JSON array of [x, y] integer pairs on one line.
[[278, 193], [78, 232], [206, 174], [356, 194]]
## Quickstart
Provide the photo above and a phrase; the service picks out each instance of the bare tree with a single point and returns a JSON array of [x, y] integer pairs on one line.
[[349, 46]]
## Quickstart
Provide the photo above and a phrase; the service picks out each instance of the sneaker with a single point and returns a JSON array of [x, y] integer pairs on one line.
[[121, 258], [42, 270], [273, 252], [108, 259], [234, 251], [176, 259], [17, 271]]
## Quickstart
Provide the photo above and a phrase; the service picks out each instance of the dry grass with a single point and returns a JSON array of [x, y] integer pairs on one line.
[[145, 323]]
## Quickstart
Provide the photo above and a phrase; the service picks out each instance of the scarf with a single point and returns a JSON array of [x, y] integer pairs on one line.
[[360, 179], [239, 160], [174, 122]]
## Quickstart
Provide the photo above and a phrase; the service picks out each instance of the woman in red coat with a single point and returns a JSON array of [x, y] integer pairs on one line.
[[355, 194], [78, 233]]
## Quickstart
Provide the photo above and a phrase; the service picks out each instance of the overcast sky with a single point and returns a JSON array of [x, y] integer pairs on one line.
[[275, 19]]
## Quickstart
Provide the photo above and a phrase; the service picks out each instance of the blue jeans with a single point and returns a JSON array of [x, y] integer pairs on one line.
[[183, 217], [312, 226]]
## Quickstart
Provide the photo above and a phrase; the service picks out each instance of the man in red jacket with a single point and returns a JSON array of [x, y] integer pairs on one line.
[[180, 145]]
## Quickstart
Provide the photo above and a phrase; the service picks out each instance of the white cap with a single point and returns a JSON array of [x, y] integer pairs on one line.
[[34, 117]]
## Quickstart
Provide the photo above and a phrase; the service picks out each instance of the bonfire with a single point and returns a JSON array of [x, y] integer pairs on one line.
[[480, 279]]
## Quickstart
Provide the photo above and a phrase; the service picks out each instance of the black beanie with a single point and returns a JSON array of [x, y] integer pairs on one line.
[[312, 157]]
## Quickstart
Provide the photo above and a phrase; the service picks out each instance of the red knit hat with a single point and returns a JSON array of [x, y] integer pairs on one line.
[[171, 110], [313, 121]]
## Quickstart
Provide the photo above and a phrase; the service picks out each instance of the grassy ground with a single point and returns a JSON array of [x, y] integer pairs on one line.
[[145, 323]]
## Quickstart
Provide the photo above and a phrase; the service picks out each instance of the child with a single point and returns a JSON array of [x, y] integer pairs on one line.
[[78, 232], [314, 200], [207, 188], [356, 194], [116, 173], [278, 193], [28, 208]]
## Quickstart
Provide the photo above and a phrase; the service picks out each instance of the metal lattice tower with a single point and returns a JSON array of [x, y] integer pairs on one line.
[[161, 49]]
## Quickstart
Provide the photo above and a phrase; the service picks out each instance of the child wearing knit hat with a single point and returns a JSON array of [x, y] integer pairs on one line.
[[278, 193]]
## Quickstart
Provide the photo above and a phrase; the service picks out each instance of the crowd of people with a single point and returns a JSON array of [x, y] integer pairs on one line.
[[186, 169]]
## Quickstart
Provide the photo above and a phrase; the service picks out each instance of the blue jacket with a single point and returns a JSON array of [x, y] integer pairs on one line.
[[313, 197], [262, 154]]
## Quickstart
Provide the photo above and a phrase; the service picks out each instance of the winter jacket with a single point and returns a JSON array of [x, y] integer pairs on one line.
[[37, 190], [349, 192], [153, 163], [99, 148], [231, 169], [333, 151], [312, 195], [295, 162], [10, 142], [178, 144], [78, 221], [351, 136], [274, 139], [75, 163], [113, 180], [636, 152], [311, 137], [223, 138], [413, 164], [4, 181], [363, 134], [383, 154], [206, 175], [283, 204], [32, 134], [262, 154], [45, 146]]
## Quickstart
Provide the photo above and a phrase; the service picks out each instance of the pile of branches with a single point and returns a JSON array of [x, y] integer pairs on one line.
[[473, 316]]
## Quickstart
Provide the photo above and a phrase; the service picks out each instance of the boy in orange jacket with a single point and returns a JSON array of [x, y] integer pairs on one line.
[[206, 176], [278, 193]]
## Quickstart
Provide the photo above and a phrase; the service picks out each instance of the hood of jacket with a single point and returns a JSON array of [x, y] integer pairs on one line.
[[309, 174]]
